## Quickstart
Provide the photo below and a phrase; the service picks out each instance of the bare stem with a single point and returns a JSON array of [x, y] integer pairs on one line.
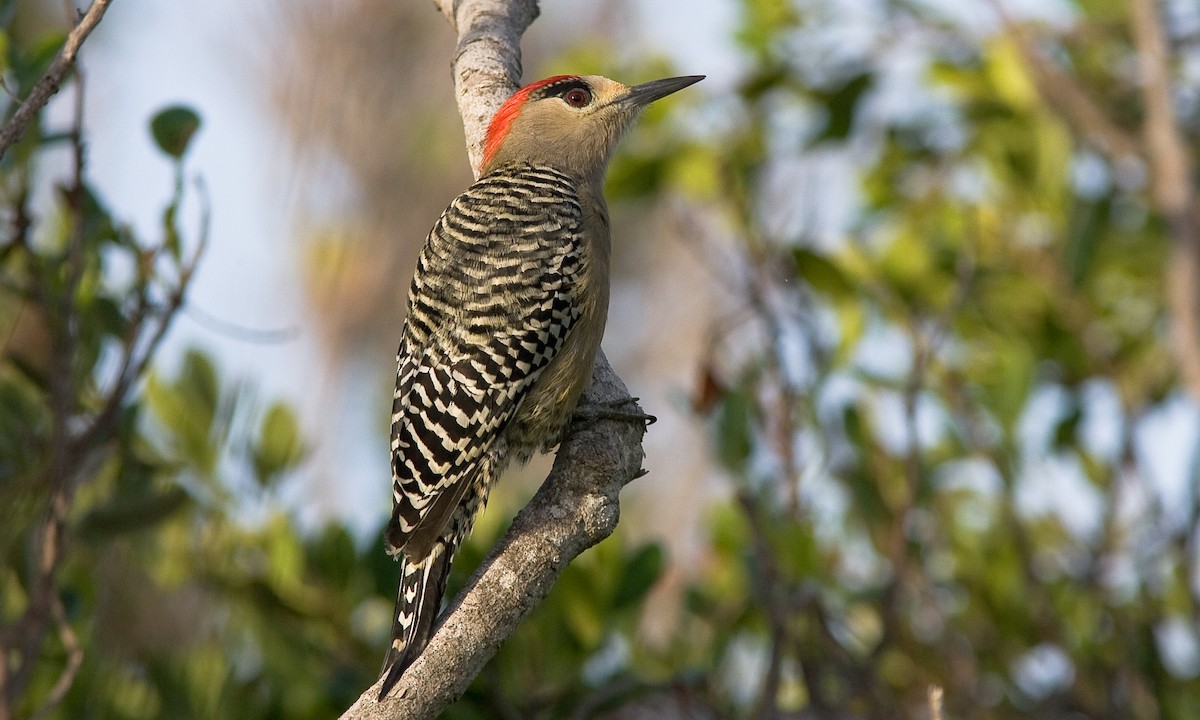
[[935, 694], [48, 85], [1171, 171]]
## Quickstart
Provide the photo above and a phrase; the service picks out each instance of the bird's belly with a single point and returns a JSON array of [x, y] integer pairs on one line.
[[547, 409]]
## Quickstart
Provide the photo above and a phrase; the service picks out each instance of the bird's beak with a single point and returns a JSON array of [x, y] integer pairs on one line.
[[639, 96]]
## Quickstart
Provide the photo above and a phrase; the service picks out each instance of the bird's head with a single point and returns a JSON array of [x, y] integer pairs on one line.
[[570, 122]]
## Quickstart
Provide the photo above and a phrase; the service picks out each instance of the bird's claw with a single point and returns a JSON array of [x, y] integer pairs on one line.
[[611, 410]]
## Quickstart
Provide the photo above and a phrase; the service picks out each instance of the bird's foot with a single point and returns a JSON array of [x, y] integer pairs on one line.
[[614, 410]]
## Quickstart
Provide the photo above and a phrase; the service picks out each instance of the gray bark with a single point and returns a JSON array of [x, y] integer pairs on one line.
[[487, 60]]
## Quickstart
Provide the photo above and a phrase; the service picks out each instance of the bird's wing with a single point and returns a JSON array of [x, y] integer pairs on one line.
[[491, 304]]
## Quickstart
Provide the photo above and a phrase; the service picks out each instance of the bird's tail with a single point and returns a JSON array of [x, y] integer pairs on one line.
[[422, 584]]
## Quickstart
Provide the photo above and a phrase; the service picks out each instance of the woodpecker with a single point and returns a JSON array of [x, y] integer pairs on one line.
[[505, 315]]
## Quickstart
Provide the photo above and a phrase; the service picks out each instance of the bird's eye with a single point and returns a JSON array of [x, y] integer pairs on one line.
[[578, 97]]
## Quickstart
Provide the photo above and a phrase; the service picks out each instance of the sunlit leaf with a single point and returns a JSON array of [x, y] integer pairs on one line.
[[198, 380], [1008, 75], [280, 445], [696, 171], [4, 51], [764, 21], [583, 616]]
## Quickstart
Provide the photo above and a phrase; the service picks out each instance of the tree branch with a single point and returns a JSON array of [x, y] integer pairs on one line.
[[487, 60], [1168, 156], [48, 85], [577, 505]]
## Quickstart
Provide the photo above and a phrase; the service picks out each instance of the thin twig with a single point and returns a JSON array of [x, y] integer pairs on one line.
[[49, 84], [137, 352], [768, 586], [935, 702], [1171, 185], [12, 95], [31, 627], [60, 468], [74, 652]]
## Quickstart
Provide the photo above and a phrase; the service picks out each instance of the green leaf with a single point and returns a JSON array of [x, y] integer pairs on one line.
[[188, 408], [1007, 374], [636, 175], [764, 22], [279, 443], [642, 572], [1008, 75], [821, 274], [4, 48], [1067, 429], [841, 105], [1085, 228], [770, 76], [697, 171], [107, 316], [128, 514], [173, 128], [581, 613], [198, 379], [98, 223], [171, 239], [852, 323], [795, 548], [30, 65], [733, 430]]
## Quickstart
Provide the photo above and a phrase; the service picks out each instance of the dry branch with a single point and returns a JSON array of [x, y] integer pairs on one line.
[[487, 60], [48, 85]]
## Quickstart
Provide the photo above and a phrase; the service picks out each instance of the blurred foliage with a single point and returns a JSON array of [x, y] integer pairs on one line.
[[936, 421], [941, 418], [934, 416], [137, 578]]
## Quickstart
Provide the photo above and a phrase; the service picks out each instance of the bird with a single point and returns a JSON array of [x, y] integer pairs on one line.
[[505, 315]]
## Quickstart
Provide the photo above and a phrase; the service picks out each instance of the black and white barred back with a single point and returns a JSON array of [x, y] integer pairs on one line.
[[492, 302]]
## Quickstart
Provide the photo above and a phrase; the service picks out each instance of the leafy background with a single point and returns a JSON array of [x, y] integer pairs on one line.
[[902, 310]]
